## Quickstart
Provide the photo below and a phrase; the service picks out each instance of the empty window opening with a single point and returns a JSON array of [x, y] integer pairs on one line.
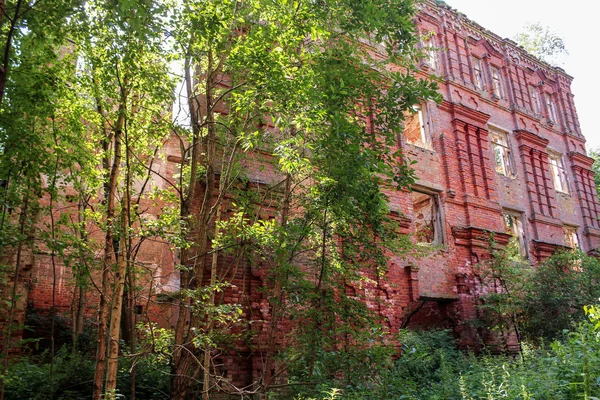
[[496, 82], [415, 127], [535, 99], [427, 220], [430, 51], [478, 73], [559, 176], [550, 108], [571, 239], [514, 227], [502, 156]]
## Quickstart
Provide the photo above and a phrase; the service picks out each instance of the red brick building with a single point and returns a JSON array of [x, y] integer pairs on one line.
[[502, 154]]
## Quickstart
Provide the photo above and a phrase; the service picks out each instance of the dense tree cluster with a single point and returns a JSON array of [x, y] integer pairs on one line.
[[86, 94]]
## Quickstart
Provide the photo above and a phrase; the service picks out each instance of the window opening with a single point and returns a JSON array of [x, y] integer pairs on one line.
[[478, 73], [430, 51], [501, 153], [415, 127], [551, 108], [559, 176], [535, 99], [515, 229], [571, 239], [427, 219], [496, 82]]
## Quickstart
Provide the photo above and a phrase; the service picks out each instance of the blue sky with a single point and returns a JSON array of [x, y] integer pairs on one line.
[[575, 22]]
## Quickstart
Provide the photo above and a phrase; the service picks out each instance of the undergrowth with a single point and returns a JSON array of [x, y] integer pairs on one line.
[[432, 368]]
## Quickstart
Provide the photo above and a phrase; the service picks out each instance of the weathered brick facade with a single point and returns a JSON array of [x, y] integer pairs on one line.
[[502, 153]]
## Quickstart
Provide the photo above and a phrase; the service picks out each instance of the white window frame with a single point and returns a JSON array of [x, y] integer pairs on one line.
[[497, 82], [535, 99], [502, 153], [551, 108], [421, 111], [571, 238], [559, 174], [437, 216], [514, 226], [478, 73]]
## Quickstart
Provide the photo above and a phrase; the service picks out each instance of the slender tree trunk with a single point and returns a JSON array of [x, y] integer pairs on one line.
[[115, 324], [8, 46], [78, 301], [119, 280], [128, 319], [77, 316], [53, 261], [184, 364], [319, 292], [278, 293], [8, 327], [103, 312], [210, 318]]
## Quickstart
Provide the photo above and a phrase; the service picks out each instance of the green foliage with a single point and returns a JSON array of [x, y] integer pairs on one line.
[[28, 378], [595, 154], [430, 367], [299, 83], [559, 289], [542, 42], [538, 303]]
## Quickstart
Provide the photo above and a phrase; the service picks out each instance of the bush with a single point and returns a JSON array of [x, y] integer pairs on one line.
[[557, 293], [432, 368], [538, 303], [73, 376]]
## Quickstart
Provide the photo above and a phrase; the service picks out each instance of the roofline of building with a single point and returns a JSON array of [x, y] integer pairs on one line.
[[442, 5]]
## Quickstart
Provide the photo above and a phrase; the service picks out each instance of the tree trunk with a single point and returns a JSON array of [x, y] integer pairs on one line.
[[110, 191], [278, 293], [185, 363], [115, 324], [123, 260], [8, 46], [210, 318], [77, 316], [8, 327]]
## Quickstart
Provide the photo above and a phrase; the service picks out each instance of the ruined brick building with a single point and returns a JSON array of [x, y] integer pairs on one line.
[[503, 153]]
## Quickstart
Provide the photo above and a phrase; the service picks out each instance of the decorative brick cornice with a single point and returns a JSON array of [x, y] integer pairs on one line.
[[590, 231], [478, 237], [464, 113], [477, 32], [544, 76], [530, 139], [543, 250], [545, 219], [581, 160], [491, 50]]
